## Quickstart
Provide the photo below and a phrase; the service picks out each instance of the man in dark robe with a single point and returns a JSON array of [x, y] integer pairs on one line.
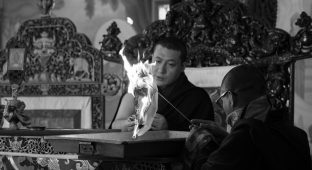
[[177, 94], [178, 100], [260, 137], [192, 101]]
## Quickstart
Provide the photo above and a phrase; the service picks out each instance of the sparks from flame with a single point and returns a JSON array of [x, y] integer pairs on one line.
[[140, 78]]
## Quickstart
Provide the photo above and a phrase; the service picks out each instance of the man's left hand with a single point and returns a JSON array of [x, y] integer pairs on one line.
[[159, 123]]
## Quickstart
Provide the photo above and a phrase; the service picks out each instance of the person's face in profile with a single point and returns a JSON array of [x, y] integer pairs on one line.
[[225, 100], [168, 65]]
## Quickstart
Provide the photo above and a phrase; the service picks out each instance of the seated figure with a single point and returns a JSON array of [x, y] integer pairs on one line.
[[175, 92], [258, 137]]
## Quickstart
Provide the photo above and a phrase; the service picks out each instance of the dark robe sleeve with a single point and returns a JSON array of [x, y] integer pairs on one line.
[[255, 145], [195, 104], [234, 153]]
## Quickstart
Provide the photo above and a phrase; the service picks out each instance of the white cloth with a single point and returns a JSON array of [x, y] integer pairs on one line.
[[207, 76], [61, 103]]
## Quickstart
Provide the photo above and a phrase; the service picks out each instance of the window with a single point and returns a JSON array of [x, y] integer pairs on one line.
[[160, 9]]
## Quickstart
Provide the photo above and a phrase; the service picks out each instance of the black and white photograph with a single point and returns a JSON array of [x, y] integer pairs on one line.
[[155, 84]]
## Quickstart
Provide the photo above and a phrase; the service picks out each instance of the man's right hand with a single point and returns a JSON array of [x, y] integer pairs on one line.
[[204, 138], [211, 126]]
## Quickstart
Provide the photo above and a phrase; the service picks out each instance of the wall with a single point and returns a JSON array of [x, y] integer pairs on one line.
[[88, 15]]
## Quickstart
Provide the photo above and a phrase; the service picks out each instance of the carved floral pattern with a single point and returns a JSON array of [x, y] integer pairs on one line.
[[25, 145], [220, 33], [37, 145], [58, 61]]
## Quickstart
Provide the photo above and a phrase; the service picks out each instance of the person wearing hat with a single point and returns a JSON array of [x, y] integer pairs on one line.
[[258, 136]]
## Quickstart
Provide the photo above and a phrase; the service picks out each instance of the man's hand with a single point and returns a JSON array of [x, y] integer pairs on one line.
[[204, 138], [130, 123], [159, 123], [214, 128]]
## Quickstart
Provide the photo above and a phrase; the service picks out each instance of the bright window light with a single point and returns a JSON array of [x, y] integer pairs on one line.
[[129, 20], [162, 11]]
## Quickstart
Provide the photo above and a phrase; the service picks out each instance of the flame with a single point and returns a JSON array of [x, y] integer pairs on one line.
[[143, 87]]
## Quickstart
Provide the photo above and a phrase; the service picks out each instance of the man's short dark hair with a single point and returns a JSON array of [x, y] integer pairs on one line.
[[173, 43]]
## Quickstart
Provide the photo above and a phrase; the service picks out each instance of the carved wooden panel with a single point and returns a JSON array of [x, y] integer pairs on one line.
[[220, 33], [58, 62]]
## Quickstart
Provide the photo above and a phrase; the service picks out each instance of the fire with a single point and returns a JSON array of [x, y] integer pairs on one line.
[[144, 89]]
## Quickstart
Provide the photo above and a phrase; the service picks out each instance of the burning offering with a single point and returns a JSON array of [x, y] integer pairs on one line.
[[144, 89]]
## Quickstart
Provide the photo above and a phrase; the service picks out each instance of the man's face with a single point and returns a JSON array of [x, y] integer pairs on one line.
[[225, 100], [168, 65]]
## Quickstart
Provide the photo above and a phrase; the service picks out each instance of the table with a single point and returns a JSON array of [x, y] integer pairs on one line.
[[87, 149]]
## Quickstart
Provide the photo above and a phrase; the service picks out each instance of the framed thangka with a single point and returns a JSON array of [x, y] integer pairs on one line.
[[16, 59]]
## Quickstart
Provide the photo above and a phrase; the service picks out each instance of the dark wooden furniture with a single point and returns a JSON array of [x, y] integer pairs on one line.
[[222, 33], [74, 148], [121, 144]]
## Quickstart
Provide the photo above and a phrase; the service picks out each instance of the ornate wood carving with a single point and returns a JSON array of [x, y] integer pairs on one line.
[[302, 42], [110, 45], [220, 33], [55, 53], [58, 62]]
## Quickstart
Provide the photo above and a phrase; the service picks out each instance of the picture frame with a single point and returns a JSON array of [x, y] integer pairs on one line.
[[16, 59]]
